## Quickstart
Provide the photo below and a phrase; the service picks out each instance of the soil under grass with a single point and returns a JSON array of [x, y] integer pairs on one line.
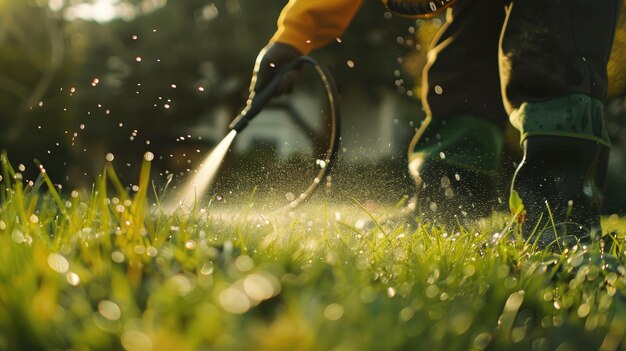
[[103, 270]]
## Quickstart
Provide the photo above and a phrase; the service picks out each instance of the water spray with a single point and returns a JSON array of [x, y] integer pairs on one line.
[[197, 186]]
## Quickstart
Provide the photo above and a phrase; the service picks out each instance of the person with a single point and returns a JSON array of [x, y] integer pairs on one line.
[[538, 64]]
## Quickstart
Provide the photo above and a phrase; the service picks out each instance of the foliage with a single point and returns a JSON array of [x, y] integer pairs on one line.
[[103, 269]]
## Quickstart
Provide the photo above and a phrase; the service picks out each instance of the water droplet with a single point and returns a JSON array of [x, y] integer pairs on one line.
[[58, 263], [148, 156], [190, 245], [234, 301], [433, 207], [261, 286], [109, 157], [117, 256], [72, 279], [445, 182], [333, 312], [152, 251], [481, 341], [17, 236], [207, 268], [350, 63], [109, 310], [134, 340], [244, 263], [138, 59], [438, 90]]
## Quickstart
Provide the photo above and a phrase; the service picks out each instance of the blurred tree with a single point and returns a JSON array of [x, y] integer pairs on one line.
[[35, 63]]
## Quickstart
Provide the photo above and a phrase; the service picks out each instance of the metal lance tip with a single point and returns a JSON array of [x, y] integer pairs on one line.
[[240, 122]]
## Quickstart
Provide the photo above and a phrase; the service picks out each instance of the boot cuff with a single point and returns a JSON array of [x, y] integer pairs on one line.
[[576, 115]]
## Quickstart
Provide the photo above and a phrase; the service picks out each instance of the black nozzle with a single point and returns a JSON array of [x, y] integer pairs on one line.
[[259, 99], [240, 122]]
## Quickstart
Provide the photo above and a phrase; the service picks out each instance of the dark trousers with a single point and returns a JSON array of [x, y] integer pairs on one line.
[[495, 59]]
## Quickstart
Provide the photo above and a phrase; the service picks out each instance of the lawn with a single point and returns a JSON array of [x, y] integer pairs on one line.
[[106, 269]]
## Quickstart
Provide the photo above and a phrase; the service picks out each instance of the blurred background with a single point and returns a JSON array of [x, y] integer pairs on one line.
[[82, 81]]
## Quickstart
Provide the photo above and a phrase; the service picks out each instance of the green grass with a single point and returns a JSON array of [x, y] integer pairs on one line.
[[104, 269]]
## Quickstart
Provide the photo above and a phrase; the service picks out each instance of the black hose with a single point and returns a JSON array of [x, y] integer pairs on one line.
[[260, 99]]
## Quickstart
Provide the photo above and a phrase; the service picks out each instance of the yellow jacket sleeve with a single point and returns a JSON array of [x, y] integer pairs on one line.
[[309, 24]]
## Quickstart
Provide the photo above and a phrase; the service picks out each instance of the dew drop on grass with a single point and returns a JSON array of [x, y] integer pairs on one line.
[[360, 223], [207, 268], [406, 314], [58, 263], [3, 225], [234, 301], [481, 341], [34, 219], [110, 157], [244, 263], [72, 278], [259, 287], [583, 310], [17, 236], [333, 312], [461, 322], [109, 310], [134, 340], [432, 291], [117, 256], [190, 245]]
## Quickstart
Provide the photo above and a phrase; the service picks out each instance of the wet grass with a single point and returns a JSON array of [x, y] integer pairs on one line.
[[105, 269]]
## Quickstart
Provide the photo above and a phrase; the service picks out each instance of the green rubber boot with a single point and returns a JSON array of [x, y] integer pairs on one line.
[[560, 182], [561, 178]]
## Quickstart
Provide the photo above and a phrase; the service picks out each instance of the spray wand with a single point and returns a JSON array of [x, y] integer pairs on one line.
[[258, 102], [208, 169]]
